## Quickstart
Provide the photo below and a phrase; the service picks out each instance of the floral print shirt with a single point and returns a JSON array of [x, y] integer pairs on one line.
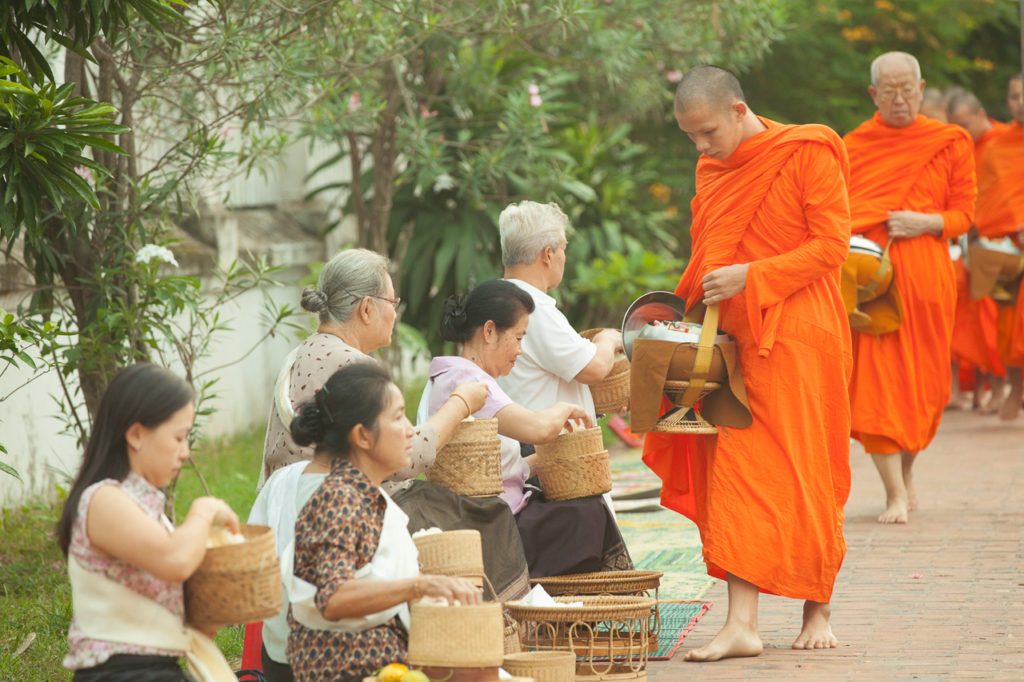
[[84, 652], [337, 532]]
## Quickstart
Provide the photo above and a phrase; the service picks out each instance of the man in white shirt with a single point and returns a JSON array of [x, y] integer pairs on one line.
[[557, 364]]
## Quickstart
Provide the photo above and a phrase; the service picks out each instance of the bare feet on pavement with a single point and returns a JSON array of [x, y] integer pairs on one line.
[[732, 641], [895, 511], [817, 631]]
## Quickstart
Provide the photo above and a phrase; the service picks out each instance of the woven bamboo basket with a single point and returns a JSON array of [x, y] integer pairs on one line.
[[571, 443], [456, 636], [542, 666], [453, 552], [470, 463], [236, 584], [610, 635], [574, 465], [611, 394]]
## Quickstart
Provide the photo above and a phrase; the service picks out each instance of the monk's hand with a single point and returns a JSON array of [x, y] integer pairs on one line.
[[724, 283], [909, 224]]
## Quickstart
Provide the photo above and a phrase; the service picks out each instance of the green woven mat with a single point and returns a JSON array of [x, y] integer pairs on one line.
[[677, 619], [660, 540]]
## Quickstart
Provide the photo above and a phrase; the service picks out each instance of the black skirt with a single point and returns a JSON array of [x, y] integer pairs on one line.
[[134, 668], [571, 536]]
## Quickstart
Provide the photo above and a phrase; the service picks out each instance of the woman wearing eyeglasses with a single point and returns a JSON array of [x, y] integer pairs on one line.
[[356, 302]]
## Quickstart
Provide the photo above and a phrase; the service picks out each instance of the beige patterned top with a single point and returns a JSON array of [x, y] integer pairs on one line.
[[316, 359]]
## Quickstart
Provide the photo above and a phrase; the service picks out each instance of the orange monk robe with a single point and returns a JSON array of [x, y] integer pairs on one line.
[[768, 499], [1000, 213], [901, 380], [975, 329]]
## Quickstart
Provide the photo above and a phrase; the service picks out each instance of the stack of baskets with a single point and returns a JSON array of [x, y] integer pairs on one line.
[[236, 584], [460, 553], [574, 465], [609, 635], [611, 394], [624, 583], [470, 464]]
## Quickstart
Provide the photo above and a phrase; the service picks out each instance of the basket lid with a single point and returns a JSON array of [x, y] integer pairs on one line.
[[654, 305]]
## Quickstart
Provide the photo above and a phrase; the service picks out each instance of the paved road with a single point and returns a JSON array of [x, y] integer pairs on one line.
[[939, 598]]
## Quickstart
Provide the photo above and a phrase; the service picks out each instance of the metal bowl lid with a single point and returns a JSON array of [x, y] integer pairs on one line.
[[655, 305], [860, 244]]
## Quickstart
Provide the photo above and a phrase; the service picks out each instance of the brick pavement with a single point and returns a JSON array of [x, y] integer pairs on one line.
[[939, 598]]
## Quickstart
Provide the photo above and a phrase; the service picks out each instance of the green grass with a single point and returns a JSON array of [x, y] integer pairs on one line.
[[35, 597]]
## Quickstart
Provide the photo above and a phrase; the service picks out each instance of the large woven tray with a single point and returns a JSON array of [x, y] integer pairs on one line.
[[637, 582]]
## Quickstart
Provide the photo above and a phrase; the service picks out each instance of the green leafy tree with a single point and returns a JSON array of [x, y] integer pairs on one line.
[[451, 110], [818, 72]]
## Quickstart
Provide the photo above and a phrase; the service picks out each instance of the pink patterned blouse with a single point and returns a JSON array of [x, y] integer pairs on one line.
[[82, 651]]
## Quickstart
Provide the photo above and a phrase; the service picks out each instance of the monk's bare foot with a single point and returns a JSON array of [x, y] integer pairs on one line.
[[911, 497], [816, 632], [989, 406], [730, 642], [1010, 409], [895, 511]]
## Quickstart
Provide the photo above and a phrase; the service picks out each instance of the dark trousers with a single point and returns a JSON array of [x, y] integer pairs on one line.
[[134, 668], [274, 671]]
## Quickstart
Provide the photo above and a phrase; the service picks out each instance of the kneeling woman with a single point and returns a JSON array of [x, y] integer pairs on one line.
[[125, 562], [559, 537], [355, 564]]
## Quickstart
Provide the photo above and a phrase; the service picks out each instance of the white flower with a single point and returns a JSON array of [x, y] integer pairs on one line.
[[151, 251], [443, 182], [535, 101]]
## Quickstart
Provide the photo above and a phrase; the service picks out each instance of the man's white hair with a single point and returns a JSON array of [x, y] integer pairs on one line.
[[876, 65], [526, 228]]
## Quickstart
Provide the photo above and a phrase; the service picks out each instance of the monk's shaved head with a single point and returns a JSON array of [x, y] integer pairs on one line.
[[1015, 97], [966, 101], [890, 60], [933, 104], [711, 85]]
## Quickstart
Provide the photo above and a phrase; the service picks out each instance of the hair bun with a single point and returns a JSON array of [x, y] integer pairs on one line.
[[308, 426], [454, 320], [313, 300]]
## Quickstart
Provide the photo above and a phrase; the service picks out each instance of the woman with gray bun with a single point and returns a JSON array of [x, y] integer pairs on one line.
[[355, 300]]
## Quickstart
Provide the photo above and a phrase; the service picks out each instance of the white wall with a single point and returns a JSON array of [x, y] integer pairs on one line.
[[44, 457]]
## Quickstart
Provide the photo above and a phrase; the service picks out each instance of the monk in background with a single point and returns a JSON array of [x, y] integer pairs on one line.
[[933, 104], [912, 181], [975, 328], [770, 231], [1000, 213]]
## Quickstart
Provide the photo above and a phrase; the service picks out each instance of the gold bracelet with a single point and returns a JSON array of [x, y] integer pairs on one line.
[[417, 595], [464, 402]]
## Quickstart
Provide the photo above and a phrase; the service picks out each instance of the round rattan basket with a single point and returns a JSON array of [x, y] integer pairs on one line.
[[542, 666], [453, 552], [593, 608], [470, 463], [602, 582], [236, 584], [456, 636], [611, 394]]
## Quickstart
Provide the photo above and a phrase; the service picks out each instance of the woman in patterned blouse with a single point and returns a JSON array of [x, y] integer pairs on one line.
[[115, 535], [352, 545]]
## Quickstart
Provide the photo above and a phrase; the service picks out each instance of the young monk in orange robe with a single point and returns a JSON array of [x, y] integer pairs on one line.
[[770, 230], [975, 321], [1000, 213], [912, 180]]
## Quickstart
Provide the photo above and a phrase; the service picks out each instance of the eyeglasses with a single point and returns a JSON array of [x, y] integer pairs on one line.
[[889, 94], [393, 301]]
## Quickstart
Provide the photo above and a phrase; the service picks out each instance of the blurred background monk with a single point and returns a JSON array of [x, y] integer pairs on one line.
[[974, 345], [1000, 214], [912, 181], [770, 230], [933, 104]]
